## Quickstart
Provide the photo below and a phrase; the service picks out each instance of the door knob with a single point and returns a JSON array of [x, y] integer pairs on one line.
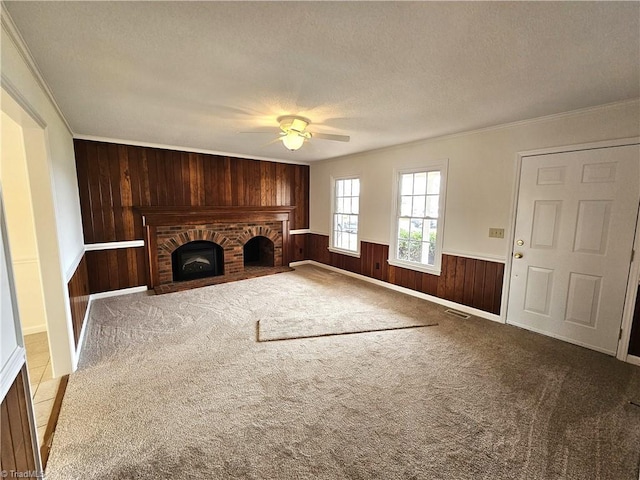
[[517, 255]]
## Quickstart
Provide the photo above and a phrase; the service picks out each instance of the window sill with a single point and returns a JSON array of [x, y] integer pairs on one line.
[[344, 252], [414, 266]]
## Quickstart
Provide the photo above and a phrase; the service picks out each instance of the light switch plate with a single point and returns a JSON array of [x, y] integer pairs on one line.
[[496, 233]]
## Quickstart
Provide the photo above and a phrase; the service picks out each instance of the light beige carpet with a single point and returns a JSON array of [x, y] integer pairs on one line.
[[176, 386]]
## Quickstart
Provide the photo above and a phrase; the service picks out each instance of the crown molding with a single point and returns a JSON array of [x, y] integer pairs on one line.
[[502, 126], [9, 26], [179, 148]]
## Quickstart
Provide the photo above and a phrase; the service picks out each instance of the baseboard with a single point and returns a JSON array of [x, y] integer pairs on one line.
[[116, 293], [441, 301], [32, 330], [632, 359]]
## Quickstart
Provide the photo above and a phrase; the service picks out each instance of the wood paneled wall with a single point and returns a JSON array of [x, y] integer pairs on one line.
[[16, 447], [116, 269], [113, 179], [471, 282], [78, 288]]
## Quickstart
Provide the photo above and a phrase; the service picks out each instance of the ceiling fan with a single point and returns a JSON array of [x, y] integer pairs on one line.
[[293, 132]]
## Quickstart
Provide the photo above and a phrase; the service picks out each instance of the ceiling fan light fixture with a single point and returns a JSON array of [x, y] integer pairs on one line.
[[292, 140]]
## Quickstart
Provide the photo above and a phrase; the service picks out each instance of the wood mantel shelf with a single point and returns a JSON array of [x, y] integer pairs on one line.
[[186, 215]]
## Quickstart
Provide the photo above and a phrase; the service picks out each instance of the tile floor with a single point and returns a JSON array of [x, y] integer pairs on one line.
[[43, 386]]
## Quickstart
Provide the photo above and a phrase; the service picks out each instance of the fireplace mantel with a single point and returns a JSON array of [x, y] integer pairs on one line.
[[201, 221], [196, 215]]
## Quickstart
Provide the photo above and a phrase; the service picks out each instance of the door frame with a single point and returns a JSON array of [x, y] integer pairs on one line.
[[634, 271]]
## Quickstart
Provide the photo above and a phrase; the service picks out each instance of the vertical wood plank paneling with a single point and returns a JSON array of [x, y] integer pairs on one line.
[[16, 447], [84, 191], [497, 297], [458, 283], [489, 286], [475, 283], [7, 451], [478, 285], [96, 197], [78, 288], [106, 194], [116, 186], [24, 430], [469, 276], [116, 269], [114, 179]]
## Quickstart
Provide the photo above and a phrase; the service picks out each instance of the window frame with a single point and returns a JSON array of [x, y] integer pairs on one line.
[[435, 269], [332, 247]]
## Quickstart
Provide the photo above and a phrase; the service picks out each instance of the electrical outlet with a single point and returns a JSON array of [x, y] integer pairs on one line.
[[377, 265], [496, 233]]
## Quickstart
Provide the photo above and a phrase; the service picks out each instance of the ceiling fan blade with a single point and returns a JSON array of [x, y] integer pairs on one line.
[[330, 136], [275, 140]]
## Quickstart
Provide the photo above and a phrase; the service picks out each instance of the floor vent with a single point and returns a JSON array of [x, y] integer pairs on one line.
[[457, 313]]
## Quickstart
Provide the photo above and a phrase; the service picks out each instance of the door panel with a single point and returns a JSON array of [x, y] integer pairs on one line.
[[575, 225]]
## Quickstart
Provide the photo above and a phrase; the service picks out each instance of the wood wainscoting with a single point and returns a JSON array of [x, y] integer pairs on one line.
[[467, 281], [78, 288], [16, 442], [114, 179], [115, 269]]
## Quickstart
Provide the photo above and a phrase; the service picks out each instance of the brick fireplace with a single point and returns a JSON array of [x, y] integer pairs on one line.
[[230, 228]]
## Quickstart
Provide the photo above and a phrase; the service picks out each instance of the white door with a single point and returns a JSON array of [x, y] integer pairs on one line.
[[575, 226]]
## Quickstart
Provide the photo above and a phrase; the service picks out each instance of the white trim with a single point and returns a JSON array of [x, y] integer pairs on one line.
[[300, 231], [15, 36], [619, 142], [37, 329], [179, 148], [476, 256], [85, 320], [418, 267], [11, 369], [90, 247], [630, 298], [74, 266], [22, 102], [116, 293], [634, 272], [367, 240], [348, 253], [407, 291], [441, 166], [332, 190], [633, 360], [502, 126]]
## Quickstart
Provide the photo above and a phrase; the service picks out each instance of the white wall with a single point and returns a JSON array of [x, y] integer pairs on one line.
[[60, 143], [480, 176], [52, 177], [21, 227]]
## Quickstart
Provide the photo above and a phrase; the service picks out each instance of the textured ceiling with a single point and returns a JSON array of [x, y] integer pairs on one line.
[[194, 74]]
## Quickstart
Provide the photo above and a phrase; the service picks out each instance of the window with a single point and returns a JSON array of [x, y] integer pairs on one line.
[[346, 206], [417, 232]]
